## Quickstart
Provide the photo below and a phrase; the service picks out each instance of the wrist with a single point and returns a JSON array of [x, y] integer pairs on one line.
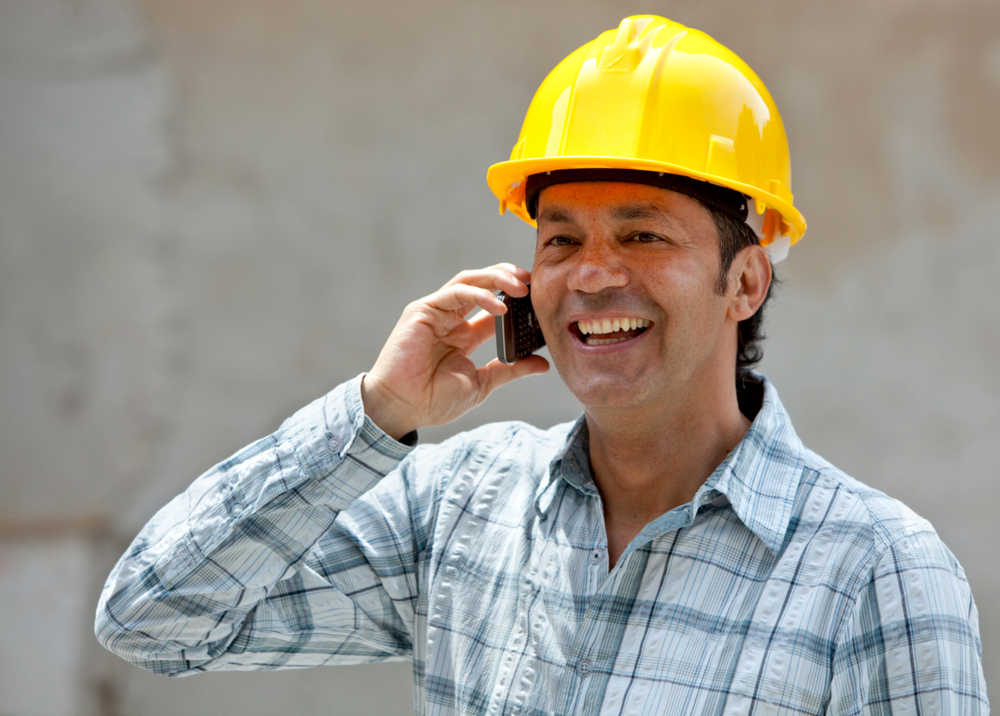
[[385, 410]]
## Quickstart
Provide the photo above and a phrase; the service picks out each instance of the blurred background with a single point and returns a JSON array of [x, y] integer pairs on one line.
[[213, 212]]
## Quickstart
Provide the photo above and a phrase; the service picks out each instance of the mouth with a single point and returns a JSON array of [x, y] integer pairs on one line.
[[604, 331]]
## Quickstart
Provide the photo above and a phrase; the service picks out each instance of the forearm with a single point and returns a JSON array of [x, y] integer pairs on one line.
[[192, 580]]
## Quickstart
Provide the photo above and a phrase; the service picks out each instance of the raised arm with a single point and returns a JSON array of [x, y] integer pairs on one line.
[[254, 567]]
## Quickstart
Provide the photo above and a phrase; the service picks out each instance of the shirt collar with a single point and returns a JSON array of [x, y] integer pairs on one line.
[[759, 478], [572, 464]]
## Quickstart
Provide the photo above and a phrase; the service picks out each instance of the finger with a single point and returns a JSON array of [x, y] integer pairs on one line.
[[464, 297], [477, 330], [522, 274], [483, 326], [501, 277], [495, 374], [508, 269]]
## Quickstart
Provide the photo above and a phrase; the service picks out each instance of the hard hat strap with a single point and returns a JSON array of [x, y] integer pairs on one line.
[[718, 197]]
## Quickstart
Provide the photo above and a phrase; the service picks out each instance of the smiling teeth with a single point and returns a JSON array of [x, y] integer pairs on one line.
[[612, 325]]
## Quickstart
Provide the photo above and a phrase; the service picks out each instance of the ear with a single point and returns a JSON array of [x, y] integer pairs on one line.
[[749, 279]]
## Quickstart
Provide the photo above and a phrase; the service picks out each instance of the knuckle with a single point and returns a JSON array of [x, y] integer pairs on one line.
[[415, 306]]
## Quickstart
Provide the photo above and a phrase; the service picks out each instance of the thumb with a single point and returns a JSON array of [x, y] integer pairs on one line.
[[496, 374]]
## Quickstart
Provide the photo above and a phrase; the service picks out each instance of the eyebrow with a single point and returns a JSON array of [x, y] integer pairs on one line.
[[555, 215], [623, 212], [630, 212]]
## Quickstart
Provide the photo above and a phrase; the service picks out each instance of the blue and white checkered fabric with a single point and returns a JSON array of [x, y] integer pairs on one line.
[[784, 587]]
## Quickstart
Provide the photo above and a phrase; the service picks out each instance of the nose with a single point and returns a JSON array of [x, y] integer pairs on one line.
[[597, 267]]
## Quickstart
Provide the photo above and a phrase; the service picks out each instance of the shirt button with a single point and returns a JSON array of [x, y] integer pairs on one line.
[[583, 667], [595, 556]]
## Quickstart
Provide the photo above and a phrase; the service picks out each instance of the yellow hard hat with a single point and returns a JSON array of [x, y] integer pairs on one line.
[[656, 96]]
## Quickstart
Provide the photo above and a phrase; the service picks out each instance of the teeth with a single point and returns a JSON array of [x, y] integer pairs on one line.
[[603, 341], [608, 325]]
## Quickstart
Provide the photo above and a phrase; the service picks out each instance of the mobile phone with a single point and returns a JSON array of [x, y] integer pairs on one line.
[[518, 333]]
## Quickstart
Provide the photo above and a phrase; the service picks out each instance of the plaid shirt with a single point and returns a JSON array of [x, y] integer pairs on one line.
[[783, 587]]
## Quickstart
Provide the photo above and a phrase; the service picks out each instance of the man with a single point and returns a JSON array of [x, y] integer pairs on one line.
[[677, 550]]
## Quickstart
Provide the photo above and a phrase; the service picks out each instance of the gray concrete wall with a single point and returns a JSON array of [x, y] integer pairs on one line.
[[213, 212]]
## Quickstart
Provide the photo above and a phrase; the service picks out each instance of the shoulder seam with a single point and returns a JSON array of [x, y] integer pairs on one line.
[[864, 494]]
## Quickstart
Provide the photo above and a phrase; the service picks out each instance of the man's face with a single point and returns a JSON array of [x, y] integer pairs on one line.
[[640, 256]]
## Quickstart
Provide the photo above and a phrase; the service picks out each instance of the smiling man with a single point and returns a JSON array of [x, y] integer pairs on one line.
[[662, 409], [676, 550]]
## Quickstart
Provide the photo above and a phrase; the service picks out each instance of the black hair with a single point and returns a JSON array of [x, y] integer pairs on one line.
[[734, 236], [710, 195]]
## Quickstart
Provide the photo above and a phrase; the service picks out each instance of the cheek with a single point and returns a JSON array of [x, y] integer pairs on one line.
[[543, 303], [545, 299], [689, 300]]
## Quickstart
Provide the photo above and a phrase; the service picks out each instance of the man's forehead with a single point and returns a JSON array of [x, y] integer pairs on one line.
[[618, 201]]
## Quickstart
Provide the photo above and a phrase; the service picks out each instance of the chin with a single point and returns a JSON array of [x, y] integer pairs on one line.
[[610, 392]]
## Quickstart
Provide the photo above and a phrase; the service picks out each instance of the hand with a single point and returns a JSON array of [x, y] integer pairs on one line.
[[423, 376]]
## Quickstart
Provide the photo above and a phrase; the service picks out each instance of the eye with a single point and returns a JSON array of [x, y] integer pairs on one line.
[[645, 237], [560, 241]]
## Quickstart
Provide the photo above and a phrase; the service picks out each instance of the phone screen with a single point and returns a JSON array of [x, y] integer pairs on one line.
[[518, 332]]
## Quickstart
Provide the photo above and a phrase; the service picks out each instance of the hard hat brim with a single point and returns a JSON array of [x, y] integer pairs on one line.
[[507, 182]]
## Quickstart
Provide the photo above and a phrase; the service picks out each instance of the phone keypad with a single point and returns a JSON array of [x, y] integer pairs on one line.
[[529, 336], [518, 333]]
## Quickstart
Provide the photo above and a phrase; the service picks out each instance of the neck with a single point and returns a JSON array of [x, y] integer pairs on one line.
[[649, 460]]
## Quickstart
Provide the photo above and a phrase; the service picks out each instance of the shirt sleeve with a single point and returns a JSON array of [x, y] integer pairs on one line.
[[249, 569], [911, 644]]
